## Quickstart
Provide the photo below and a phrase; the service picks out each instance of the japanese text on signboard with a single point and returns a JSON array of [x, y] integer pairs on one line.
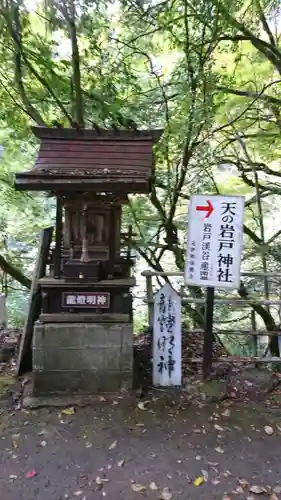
[[166, 341], [205, 251], [226, 242], [215, 241]]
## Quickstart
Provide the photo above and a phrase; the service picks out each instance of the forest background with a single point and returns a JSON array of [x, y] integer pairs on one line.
[[206, 71]]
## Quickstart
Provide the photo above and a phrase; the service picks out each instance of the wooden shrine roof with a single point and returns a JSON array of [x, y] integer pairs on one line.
[[88, 159]]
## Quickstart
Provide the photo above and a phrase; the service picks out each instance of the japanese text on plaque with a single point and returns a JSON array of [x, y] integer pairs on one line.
[[166, 341]]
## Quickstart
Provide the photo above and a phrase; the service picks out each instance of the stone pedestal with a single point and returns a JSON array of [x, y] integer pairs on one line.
[[82, 358]]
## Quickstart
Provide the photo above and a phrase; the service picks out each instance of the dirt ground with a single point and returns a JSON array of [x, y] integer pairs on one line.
[[117, 450]]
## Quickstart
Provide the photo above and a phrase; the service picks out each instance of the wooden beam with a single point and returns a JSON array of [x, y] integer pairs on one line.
[[58, 238], [51, 282], [24, 361], [239, 359], [129, 240], [180, 273], [112, 242], [262, 333], [208, 332]]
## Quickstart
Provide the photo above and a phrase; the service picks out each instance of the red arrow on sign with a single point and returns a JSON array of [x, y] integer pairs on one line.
[[209, 209]]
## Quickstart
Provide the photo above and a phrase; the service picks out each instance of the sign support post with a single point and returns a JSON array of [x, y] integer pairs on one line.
[[208, 332]]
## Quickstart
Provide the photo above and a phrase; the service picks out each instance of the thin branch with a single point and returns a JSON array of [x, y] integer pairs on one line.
[[246, 93], [6, 89], [14, 272], [271, 52], [16, 35], [19, 51], [234, 120], [265, 24]]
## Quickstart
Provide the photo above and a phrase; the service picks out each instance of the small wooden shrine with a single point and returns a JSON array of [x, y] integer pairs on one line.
[[83, 340]]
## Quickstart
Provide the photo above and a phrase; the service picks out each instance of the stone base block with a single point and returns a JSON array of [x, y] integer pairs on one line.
[[75, 382], [82, 358]]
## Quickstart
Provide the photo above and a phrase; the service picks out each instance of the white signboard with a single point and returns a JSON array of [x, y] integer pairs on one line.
[[167, 337], [215, 241]]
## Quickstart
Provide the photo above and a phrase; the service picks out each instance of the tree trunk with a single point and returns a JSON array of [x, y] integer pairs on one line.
[[14, 272], [267, 319], [78, 104]]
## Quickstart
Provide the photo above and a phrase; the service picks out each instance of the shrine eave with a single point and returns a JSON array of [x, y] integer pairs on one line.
[[92, 134], [27, 182], [87, 159]]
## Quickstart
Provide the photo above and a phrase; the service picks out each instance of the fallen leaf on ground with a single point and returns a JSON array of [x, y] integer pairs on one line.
[[226, 497], [218, 427], [15, 444], [165, 494], [13, 476], [268, 430], [138, 488], [243, 482], [239, 490], [102, 398], [68, 411], [226, 413], [153, 486], [273, 497], [98, 480], [78, 493], [249, 384], [113, 445], [43, 443], [227, 473], [25, 380], [142, 405], [31, 473], [44, 432], [215, 481], [277, 490], [205, 474], [121, 463], [88, 444], [258, 490], [219, 449], [199, 480]]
